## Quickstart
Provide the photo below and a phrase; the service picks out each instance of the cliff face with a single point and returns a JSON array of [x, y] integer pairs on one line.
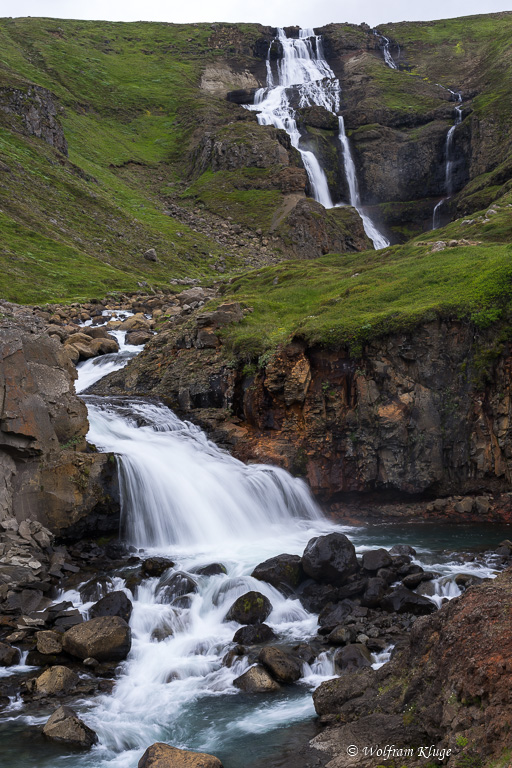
[[412, 415], [46, 475]]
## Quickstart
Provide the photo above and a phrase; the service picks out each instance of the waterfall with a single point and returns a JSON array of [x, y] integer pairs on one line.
[[305, 79], [449, 162], [379, 241], [180, 489], [385, 50]]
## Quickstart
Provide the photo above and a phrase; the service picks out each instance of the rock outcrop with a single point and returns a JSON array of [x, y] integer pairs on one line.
[[35, 110], [46, 475]]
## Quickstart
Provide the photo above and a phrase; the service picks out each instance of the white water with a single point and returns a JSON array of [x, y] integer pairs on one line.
[[305, 79], [449, 162], [385, 50]]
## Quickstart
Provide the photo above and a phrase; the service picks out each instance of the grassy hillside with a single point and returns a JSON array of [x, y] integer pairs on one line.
[[351, 299]]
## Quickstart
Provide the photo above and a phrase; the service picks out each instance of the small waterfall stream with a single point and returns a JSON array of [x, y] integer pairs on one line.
[[305, 79], [449, 162], [385, 50]]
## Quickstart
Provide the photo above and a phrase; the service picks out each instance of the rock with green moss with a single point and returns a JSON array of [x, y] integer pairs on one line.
[[251, 608]]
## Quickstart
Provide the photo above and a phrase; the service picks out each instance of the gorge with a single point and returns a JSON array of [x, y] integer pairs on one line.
[[280, 262]]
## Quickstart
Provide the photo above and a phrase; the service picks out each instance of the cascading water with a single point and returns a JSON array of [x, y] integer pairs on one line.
[[305, 78], [449, 162], [385, 50]]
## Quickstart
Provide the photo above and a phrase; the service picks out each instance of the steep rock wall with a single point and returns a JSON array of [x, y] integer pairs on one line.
[[46, 475]]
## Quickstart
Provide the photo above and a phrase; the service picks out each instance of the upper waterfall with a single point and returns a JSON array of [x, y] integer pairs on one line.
[[305, 79]]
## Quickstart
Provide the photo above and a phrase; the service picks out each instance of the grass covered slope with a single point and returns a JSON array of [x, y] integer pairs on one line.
[[127, 97], [350, 299]]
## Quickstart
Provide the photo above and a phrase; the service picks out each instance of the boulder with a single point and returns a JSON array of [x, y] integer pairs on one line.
[[281, 665], [106, 638], [413, 580], [9, 655], [251, 608], [65, 727], [175, 585], [341, 636], [330, 559], [256, 680], [314, 597], [49, 642], [254, 634], [137, 338], [150, 255], [352, 657], [213, 569], [402, 549], [163, 756], [113, 604], [332, 616], [136, 322], [375, 559], [155, 566], [402, 600], [374, 592], [284, 572], [56, 681]]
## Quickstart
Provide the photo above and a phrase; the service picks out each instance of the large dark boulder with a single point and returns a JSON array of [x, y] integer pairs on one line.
[[213, 569], [164, 756], [107, 638], [282, 665], [155, 566], [254, 634], [333, 615], [330, 559], [174, 586], [314, 597], [352, 657], [251, 608], [8, 655], [375, 559], [113, 604], [65, 727], [402, 600], [375, 591], [284, 572]]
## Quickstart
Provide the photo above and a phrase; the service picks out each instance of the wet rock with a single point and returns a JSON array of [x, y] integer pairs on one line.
[[414, 579], [402, 549], [95, 589], [65, 727], [332, 616], [330, 559], [314, 597], [254, 634], [56, 681], [352, 657], [163, 756], [402, 600], [282, 666], [256, 680], [9, 655], [213, 569], [49, 642], [251, 608], [375, 559], [156, 566], [113, 604], [341, 636], [284, 572], [106, 638], [175, 586], [375, 591], [332, 695]]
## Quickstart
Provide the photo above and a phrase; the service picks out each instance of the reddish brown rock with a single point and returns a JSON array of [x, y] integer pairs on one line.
[[164, 756]]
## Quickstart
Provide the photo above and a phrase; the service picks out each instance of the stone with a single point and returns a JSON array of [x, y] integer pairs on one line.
[[94, 589], [251, 608], [340, 636], [254, 634], [49, 642], [402, 549], [56, 681], [314, 597], [113, 604], [64, 727], [163, 756], [106, 638], [402, 600], [284, 572], [175, 585], [156, 566], [332, 616], [413, 580], [256, 680], [375, 559], [150, 255], [352, 657], [330, 559], [9, 655], [282, 666], [137, 338], [136, 322], [375, 591], [213, 569]]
